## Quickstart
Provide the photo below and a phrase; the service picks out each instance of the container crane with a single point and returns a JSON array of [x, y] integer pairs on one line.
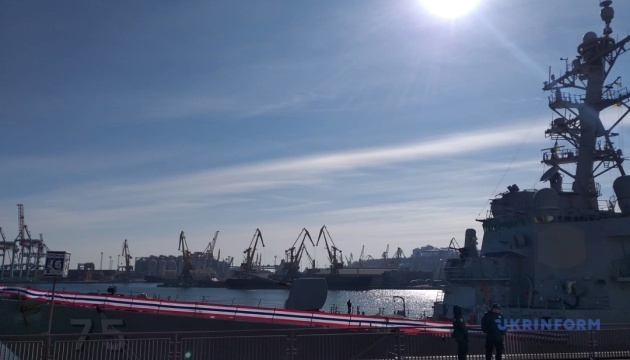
[[250, 252], [185, 278], [127, 257], [335, 263]]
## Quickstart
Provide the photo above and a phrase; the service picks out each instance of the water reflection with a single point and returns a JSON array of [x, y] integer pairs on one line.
[[419, 303]]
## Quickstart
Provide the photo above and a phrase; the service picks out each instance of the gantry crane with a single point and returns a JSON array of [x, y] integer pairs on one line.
[[335, 263], [250, 252], [185, 278], [293, 256], [5, 246], [127, 257], [210, 248]]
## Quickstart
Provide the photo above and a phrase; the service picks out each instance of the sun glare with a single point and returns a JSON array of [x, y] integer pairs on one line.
[[449, 9]]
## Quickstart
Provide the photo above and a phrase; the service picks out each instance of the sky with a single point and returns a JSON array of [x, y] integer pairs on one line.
[[379, 119]]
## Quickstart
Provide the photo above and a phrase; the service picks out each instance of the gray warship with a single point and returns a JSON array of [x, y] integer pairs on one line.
[[559, 252]]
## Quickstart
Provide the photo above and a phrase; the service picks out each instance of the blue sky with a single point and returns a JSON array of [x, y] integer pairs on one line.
[[137, 120]]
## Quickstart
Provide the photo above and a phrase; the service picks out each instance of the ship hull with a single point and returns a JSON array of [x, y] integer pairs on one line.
[[27, 311], [335, 282], [255, 284], [23, 318], [353, 283]]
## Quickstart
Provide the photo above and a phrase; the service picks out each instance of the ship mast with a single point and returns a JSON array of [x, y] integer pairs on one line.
[[578, 97]]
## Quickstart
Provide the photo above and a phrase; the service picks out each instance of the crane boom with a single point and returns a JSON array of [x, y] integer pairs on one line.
[[127, 257], [293, 255], [361, 260], [210, 248], [311, 261], [250, 252], [335, 264], [185, 277]]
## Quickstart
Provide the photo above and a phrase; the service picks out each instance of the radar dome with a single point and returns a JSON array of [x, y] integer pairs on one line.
[[546, 199], [589, 36]]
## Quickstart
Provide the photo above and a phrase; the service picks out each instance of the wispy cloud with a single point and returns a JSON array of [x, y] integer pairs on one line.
[[304, 171], [251, 191]]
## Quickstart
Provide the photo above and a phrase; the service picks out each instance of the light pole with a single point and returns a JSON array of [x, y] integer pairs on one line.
[[110, 262], [118, 266], [101, 261]]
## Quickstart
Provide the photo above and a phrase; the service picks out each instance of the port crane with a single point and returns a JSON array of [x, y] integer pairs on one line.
[[209, 251], [4, 246], [127, 257], [185, 278], [349, 260], [250, 252], [331, 249], [311, 261], [385, 255], [361, 259], [293, 256]]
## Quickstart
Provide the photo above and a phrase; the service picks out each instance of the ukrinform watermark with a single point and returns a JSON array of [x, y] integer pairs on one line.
[[548, 324]]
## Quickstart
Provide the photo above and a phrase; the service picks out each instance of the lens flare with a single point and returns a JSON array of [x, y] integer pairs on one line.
[[449, 9]]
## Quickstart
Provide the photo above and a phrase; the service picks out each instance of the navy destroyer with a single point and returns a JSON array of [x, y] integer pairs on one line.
[[559, 252]]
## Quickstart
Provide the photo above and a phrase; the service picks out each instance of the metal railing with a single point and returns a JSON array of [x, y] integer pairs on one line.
[[315, 344]]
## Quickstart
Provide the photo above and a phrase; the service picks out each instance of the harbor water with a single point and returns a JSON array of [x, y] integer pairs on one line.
[[418, 303]]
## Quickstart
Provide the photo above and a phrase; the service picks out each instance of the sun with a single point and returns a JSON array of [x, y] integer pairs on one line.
[[449, 9]]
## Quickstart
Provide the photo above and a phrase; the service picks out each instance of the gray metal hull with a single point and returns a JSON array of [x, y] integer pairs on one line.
[[28, 317]]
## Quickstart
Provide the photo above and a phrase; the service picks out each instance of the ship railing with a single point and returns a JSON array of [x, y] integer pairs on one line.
[[563, 156], [615, 95], [565, 99], [291, 344]]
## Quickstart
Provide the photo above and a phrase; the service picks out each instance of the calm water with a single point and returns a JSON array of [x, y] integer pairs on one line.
[[418, 302]]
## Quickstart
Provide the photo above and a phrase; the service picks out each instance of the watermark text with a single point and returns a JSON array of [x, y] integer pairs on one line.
[[548, 324]]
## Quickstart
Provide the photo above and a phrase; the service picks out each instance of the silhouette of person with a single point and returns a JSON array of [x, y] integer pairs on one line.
[[460, 333], [349, 306], [494, 335]]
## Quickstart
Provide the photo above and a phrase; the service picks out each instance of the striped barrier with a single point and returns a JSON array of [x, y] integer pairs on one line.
[[229, 312]]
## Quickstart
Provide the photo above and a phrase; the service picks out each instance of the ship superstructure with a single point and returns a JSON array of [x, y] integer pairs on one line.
[[559, 252]]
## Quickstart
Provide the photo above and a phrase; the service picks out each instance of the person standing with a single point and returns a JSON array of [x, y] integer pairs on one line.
[[460, 333], [349, 307], [494, 335]]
